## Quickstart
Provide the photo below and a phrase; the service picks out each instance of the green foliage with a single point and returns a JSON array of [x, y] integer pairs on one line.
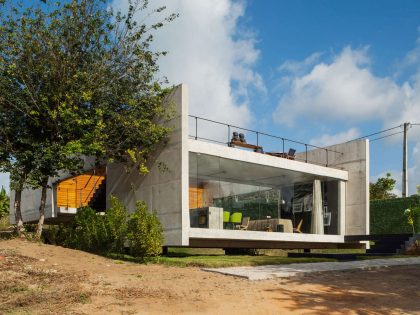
[[242, 251], [144, 232], [219, 261], [90, 233], [4, 203], [107, 233], [382, 189], [387, 216], [116, 218], [77, 79], [412, 215], [4, 223]]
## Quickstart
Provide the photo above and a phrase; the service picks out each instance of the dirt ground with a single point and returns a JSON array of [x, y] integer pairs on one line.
[[45, 279]]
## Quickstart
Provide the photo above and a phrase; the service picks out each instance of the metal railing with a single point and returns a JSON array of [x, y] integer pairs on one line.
[[259, 138], [93, 190]]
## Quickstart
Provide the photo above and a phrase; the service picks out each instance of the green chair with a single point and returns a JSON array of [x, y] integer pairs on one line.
[[236, 218], [226, 217]]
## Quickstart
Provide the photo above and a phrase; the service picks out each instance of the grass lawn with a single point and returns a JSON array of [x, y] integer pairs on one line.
[[215, 258], [216, 261]]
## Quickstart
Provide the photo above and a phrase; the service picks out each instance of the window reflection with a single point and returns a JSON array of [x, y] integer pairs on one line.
[[228, 194]]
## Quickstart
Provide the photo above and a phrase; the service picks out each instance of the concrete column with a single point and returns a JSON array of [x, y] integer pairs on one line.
[[341, 208]]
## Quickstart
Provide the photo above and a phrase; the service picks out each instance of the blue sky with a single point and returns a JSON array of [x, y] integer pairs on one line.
[[294, 30], [321, 72]]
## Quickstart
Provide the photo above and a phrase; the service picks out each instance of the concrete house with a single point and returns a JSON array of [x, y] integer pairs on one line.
[[221, 190]]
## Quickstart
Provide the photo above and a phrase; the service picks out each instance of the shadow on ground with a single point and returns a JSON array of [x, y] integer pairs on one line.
[[378, 291]]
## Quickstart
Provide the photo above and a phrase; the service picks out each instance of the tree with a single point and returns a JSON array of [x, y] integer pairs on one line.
[[383, 187], [81, 81], [4, 203], [16, 149]]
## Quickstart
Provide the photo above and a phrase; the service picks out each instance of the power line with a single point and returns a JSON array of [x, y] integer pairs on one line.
[[392, 134], [376, 133]]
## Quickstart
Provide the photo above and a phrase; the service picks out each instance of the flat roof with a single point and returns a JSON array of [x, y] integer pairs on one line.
[[292, 167]]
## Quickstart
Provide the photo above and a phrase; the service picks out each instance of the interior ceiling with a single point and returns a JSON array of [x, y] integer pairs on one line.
[[206, 167]]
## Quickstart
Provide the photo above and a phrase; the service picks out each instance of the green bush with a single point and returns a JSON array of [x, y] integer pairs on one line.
[[412, 216], [387, 216], [116, 218], [145, 232], [90, 231], [108, 233], [4, 203], [62, 234], [4, 223]]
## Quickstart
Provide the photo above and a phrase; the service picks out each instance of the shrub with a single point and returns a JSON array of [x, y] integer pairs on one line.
[[4, 203], [4, 223], [116, 218], [145, 232], [412, 216], [90, 231], [108, 233]]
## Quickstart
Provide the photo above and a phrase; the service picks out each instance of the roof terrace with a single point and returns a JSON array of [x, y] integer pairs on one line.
[[260, 142]]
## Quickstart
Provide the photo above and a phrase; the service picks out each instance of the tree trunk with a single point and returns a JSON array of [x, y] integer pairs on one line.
[[42, 209], [18, 212]]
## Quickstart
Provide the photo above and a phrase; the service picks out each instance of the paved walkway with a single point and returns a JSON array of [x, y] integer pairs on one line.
[[286, 271]]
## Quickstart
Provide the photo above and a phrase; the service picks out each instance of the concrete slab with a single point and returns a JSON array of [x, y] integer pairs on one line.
[[291, 270]]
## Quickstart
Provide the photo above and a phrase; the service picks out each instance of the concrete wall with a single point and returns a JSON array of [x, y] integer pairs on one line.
[[166, 192], [31, 198], [354, 158]]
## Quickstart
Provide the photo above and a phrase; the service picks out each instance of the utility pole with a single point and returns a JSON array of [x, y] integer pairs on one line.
[[404, 175]]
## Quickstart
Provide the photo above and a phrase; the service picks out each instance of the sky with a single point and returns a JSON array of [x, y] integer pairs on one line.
[[317, 71]]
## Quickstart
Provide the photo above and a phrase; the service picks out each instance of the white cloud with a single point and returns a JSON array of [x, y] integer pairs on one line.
[[414, 171], [298, 67], [327, 139], [212, 54], [344, 89]]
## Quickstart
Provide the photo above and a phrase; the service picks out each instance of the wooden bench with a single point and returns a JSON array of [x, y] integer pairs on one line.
[[256, 148]]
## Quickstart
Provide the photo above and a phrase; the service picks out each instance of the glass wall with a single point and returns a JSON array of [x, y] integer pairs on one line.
[[229, 194]]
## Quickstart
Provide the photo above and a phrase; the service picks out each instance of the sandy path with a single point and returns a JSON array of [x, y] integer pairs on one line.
[[128, 288]]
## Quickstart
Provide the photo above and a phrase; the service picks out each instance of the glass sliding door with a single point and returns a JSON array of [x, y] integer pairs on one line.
[[230, 194]]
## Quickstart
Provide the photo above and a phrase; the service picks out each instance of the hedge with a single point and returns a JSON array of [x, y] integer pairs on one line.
[[387, 216]]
